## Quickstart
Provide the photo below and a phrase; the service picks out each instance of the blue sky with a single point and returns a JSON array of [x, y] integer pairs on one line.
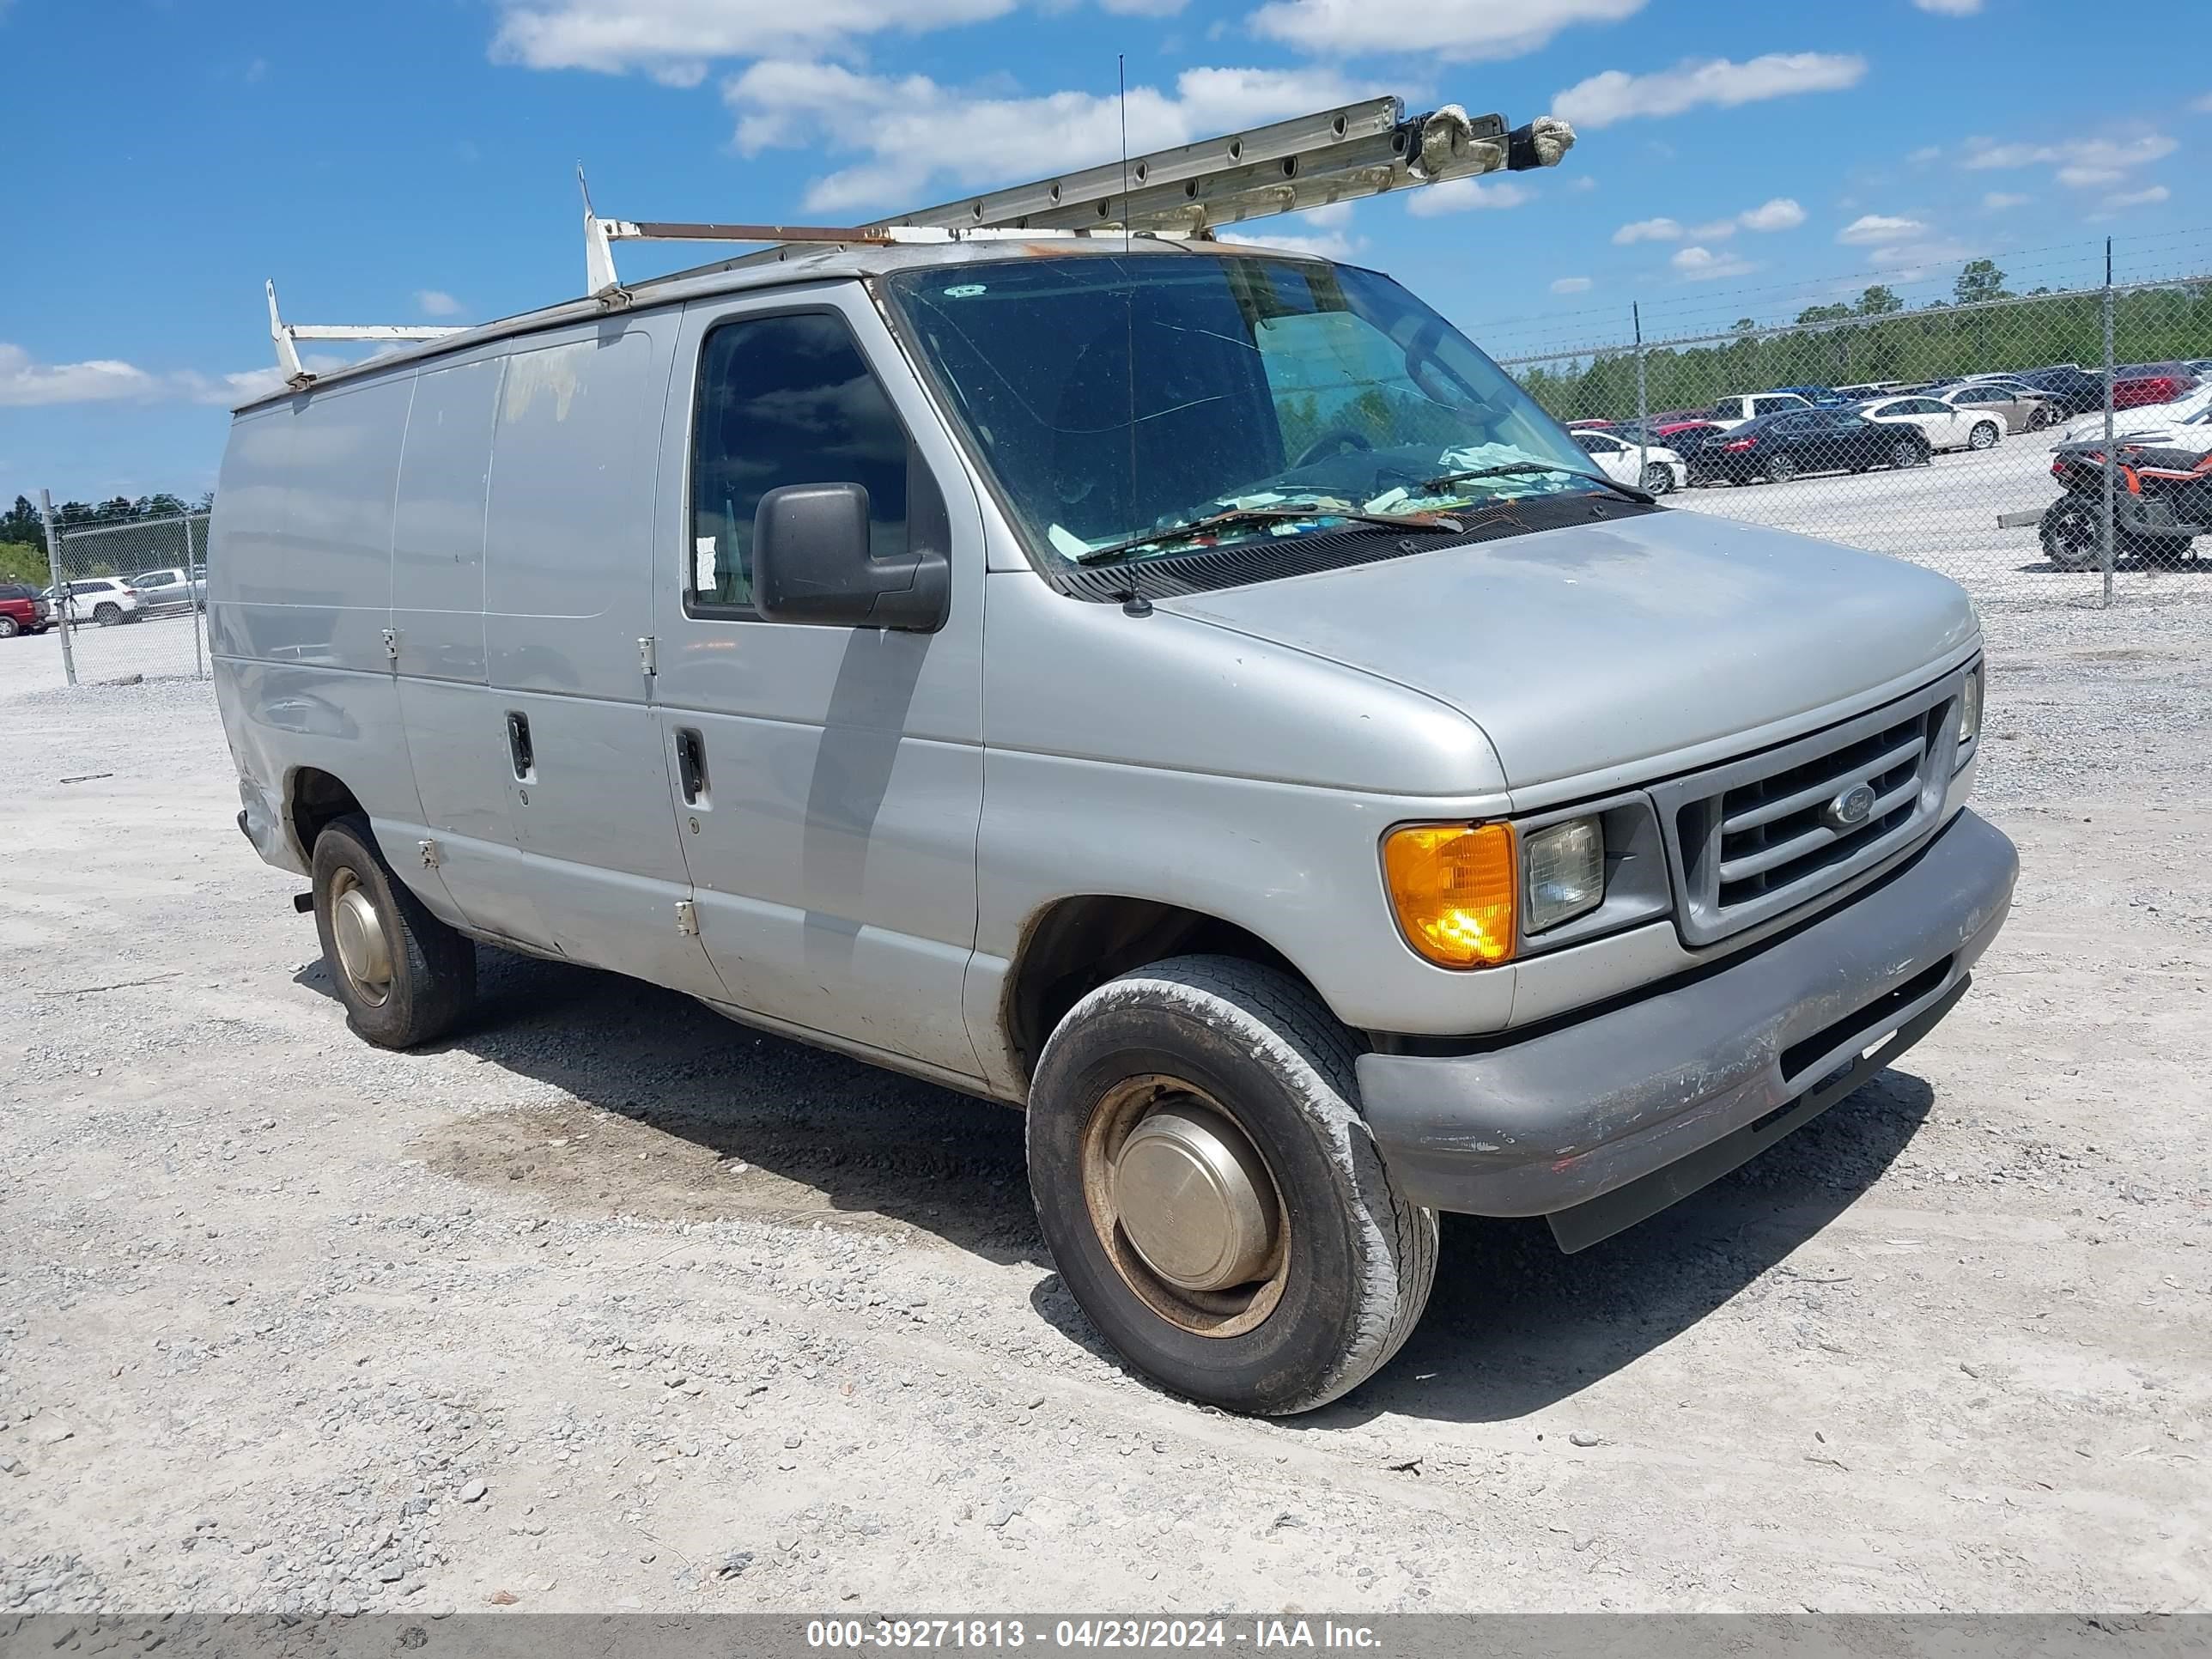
[[415, 160]]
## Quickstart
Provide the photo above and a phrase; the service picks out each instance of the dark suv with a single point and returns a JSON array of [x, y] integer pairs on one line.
[[22, 612]]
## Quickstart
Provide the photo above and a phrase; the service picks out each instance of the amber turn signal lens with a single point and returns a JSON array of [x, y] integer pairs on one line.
[[1453, 887]]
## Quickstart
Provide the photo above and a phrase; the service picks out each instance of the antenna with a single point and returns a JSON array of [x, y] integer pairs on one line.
[[1129, 296]]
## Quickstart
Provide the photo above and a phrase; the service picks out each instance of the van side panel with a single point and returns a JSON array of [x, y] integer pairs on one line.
[[453, 735], [300, 594], [568, 535]]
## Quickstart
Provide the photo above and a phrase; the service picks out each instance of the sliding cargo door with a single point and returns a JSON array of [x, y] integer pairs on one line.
[[569, 534]]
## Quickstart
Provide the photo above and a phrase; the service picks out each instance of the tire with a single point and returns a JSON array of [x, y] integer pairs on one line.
[[1781, 468], [1983, 436], [2071, 535], [431, 982], [1351, 1261], [1658, 478], [1905, 452], [9, 629], [2038, 416], [107, 613]]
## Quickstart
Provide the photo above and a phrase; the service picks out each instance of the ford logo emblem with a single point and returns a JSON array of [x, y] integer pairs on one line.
[[1851, 808]]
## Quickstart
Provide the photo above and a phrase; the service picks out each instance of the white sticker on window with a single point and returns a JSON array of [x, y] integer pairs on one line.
[[703, 580], [964, 291]]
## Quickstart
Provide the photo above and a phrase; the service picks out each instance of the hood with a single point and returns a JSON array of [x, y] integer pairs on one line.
[[1585, 648]]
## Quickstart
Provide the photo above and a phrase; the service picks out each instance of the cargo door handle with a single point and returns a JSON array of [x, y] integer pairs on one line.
[[518, 746], [690, 764]]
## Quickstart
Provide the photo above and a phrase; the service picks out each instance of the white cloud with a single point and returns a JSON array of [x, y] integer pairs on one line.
[[1615, 96], [1334, 216], [24, 383], [1143, 7], [436, 302], [2202, 106], [675, 39], [1950, 7], [922, 137], [1925, 153], [1649, 230], [1871, 229], [1908, 262], [2082, 164], [1332, 245], [1463, 195], [2146, 198], [1715, 230], [1998, 200], [1781, 214], [1702, 264], [1455, 32], [1582, 181], [1570, 285]]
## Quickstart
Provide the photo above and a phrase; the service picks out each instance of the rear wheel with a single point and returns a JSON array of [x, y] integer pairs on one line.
[[1211, 1193], [1781, 468], [2038, 416], [1983, 436], [1658, 478], [8, 628], [2072, 537], [107, 613], [404, 976]]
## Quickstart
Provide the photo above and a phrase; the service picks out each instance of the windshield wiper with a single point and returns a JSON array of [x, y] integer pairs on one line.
[[1511, 468], [1245, 515]]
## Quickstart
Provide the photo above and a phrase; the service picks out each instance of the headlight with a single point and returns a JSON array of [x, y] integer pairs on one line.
[[1564, 878], [1453, 888], [1970, 709]]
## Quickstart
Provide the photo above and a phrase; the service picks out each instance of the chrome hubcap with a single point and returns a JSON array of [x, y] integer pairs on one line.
[[364, 954], [1194, 1199]]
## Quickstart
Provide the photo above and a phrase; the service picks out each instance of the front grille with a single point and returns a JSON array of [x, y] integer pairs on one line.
[[1760, 836]]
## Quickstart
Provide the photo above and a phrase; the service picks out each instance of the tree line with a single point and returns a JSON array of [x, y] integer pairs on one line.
[[1877, 338], [23, 531]]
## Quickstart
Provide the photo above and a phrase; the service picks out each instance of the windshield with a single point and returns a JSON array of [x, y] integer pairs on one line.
[[1114, 398]]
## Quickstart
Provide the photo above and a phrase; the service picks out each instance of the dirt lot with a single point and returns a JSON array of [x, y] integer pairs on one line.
[[611, 1304]]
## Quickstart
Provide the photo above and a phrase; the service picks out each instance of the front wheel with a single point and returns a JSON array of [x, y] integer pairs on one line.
[[1658, 478], [2072, 533], [404, 976], [1905, 452], [1783, 468], [1983, 436], [9, 629], [1210, 1194], [2168, 552]]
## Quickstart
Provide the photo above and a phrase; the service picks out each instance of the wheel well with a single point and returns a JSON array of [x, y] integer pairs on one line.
[[1079, 944], [317, 800]]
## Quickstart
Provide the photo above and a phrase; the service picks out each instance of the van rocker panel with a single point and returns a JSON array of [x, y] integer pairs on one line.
[[1559, 1118]]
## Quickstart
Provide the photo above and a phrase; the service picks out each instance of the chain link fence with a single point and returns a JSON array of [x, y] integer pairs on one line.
[[130, 597], [1970, 437]]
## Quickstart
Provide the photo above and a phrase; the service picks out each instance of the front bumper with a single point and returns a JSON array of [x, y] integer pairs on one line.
[[1602, 1120]]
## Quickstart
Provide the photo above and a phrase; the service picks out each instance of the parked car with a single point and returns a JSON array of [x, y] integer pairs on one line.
[[1590, 424], [106, 600], [1868, 389], [1749, 406], [1943, 425], [1783, 446], [2072, 388], [2144, 420], [170, 589], [2138, 384], [23, 610], [1303, 861], [1820, 397], [1653, 468]]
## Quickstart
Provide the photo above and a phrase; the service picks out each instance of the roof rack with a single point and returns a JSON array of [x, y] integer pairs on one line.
[[1332, 155], [288, 336]]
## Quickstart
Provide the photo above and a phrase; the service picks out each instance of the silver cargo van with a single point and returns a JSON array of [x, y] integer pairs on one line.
[[1186, 691]]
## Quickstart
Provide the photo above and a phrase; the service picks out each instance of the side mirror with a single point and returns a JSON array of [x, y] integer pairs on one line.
[[811, 564]]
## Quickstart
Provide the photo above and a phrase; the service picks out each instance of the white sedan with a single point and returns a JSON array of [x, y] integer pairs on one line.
[[1659, 470], [1944, 426], [2143, 419]]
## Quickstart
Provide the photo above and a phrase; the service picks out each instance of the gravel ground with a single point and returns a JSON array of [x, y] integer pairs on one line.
[[610, 1304]]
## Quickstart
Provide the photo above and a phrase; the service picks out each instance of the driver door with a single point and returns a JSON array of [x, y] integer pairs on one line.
[[827, 782]]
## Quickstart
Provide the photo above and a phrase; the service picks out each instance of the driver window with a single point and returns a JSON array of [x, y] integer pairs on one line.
[[784, 400], [1332, 374]]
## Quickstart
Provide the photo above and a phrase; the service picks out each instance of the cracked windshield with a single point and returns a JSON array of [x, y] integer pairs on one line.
[[1132, 407]]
